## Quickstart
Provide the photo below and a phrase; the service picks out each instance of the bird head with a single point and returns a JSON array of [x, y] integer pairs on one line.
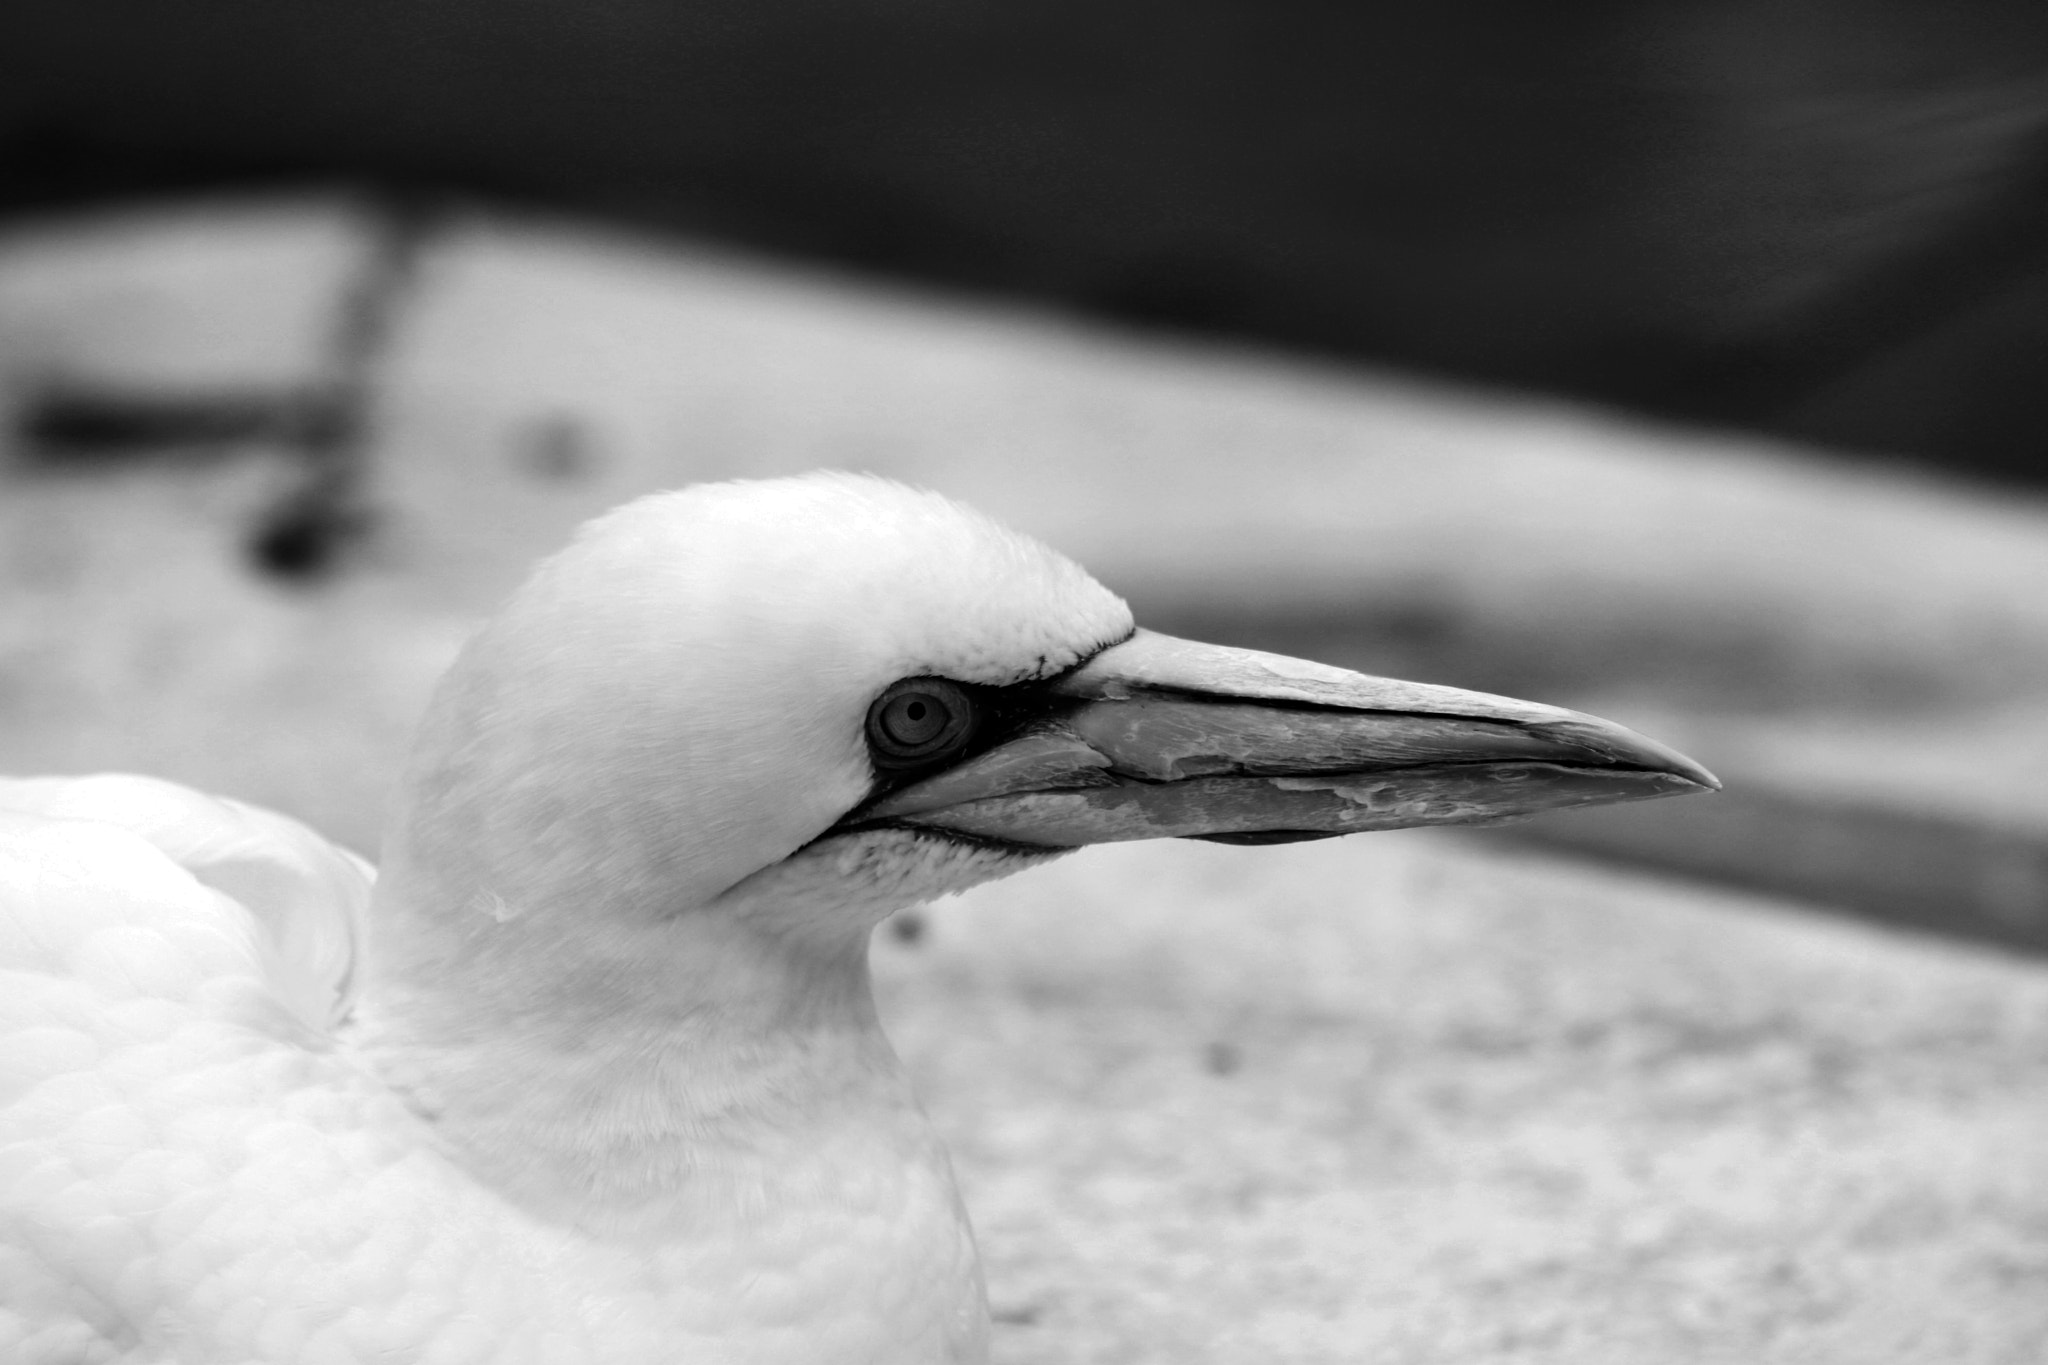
[[815, 700]]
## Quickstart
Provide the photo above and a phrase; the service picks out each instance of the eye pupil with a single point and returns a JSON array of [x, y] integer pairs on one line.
[[919, 721], [912, 720]]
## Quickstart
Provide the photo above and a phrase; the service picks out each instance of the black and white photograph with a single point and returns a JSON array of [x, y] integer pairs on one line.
[[896, 682]]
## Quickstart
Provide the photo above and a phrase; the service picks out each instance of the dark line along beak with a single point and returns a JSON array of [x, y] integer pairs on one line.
[[1172, 738]]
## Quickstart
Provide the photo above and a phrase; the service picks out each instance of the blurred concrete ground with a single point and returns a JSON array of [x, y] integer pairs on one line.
[[1430, 1097]]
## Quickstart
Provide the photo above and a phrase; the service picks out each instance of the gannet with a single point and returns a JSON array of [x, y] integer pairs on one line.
[[592, 1071]]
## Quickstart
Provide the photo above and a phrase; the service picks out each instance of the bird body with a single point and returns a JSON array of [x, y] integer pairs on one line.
[[192, 1173], [591, 1070]]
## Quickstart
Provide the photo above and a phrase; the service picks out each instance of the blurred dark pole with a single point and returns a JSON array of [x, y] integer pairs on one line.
[[1820, 217]]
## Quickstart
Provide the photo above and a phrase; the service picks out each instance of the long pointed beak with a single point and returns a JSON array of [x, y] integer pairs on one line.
[[1171, 738]]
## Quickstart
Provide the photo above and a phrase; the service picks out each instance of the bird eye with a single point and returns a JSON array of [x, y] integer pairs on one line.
[[918, 720]]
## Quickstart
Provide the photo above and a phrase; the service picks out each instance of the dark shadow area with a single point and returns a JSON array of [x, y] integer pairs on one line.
[[61, 429], [1823, 219]]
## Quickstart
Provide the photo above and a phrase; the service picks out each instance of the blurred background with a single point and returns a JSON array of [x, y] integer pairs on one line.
[[1521, 262], [1685, 362], [1823, 219]]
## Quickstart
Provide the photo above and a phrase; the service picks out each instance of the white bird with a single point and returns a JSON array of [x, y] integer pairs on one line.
[[594, 1072]]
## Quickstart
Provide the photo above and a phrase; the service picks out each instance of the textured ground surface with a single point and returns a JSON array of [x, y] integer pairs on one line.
[[1407, 1098]]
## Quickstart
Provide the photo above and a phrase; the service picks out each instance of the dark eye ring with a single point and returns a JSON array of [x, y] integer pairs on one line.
[[918, 720]]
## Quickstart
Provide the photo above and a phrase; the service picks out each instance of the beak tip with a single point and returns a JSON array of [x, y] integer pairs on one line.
[[1685, 774], [1629, 748], [1687, 783]]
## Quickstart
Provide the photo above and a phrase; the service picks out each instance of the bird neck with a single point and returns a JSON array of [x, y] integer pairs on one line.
[[627, 1072]]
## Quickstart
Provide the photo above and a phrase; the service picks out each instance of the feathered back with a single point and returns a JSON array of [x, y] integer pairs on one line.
[[305, 897]]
